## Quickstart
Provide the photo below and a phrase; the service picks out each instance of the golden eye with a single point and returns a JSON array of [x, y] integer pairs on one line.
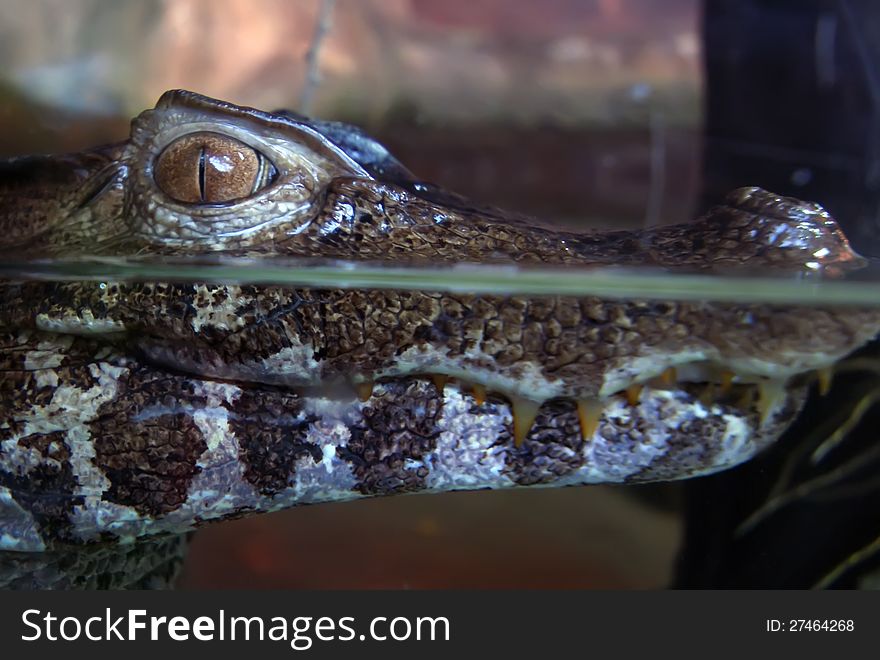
[[210, 168]]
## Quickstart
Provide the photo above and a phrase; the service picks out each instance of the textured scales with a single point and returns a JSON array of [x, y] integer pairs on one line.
[[135, 410], [99, 443]]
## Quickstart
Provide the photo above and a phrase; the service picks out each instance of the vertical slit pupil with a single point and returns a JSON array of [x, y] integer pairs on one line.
[[202, 169]]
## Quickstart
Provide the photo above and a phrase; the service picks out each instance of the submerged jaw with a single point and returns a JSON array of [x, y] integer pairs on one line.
[[755, 398], [704, 383], [706, 389]]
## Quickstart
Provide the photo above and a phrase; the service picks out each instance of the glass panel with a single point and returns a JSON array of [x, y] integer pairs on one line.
[[664, 318]]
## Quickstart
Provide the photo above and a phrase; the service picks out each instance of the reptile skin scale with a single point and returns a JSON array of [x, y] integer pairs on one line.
[[131, 413]]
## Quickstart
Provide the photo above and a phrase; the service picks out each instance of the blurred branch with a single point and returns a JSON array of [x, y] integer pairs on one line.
[[313, 75]]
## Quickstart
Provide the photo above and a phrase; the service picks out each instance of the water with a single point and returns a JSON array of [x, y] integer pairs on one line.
[[860, 288]]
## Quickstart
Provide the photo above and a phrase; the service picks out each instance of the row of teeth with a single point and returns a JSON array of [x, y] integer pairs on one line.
[[590, 410]]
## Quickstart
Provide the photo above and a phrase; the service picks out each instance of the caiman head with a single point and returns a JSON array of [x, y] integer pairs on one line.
[[201, 176], [173, 403]]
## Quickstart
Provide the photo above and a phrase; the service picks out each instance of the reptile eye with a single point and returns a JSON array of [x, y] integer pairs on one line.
[[210, 168]]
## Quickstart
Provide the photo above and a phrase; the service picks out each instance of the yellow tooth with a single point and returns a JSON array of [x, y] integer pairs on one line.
[[825, 375], [479, 392], [440, 381], [633, 393], [524, 413], [589, 414], [770, 394], [364, 390], [726, 381], [668, 378]]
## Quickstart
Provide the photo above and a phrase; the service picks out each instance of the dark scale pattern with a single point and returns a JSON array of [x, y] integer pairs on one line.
[[47, 491], [272, 437], [20, 391], [683, 454], [17, 387], [166, 307], [273, 319], [368, 329], [148, 563], [552, 449], [170, 312], [21, 302], [213, 330], [150, 462], [398, 424], [50, 445]]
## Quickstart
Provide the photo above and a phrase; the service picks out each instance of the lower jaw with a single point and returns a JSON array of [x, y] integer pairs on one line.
[[757, 399]]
